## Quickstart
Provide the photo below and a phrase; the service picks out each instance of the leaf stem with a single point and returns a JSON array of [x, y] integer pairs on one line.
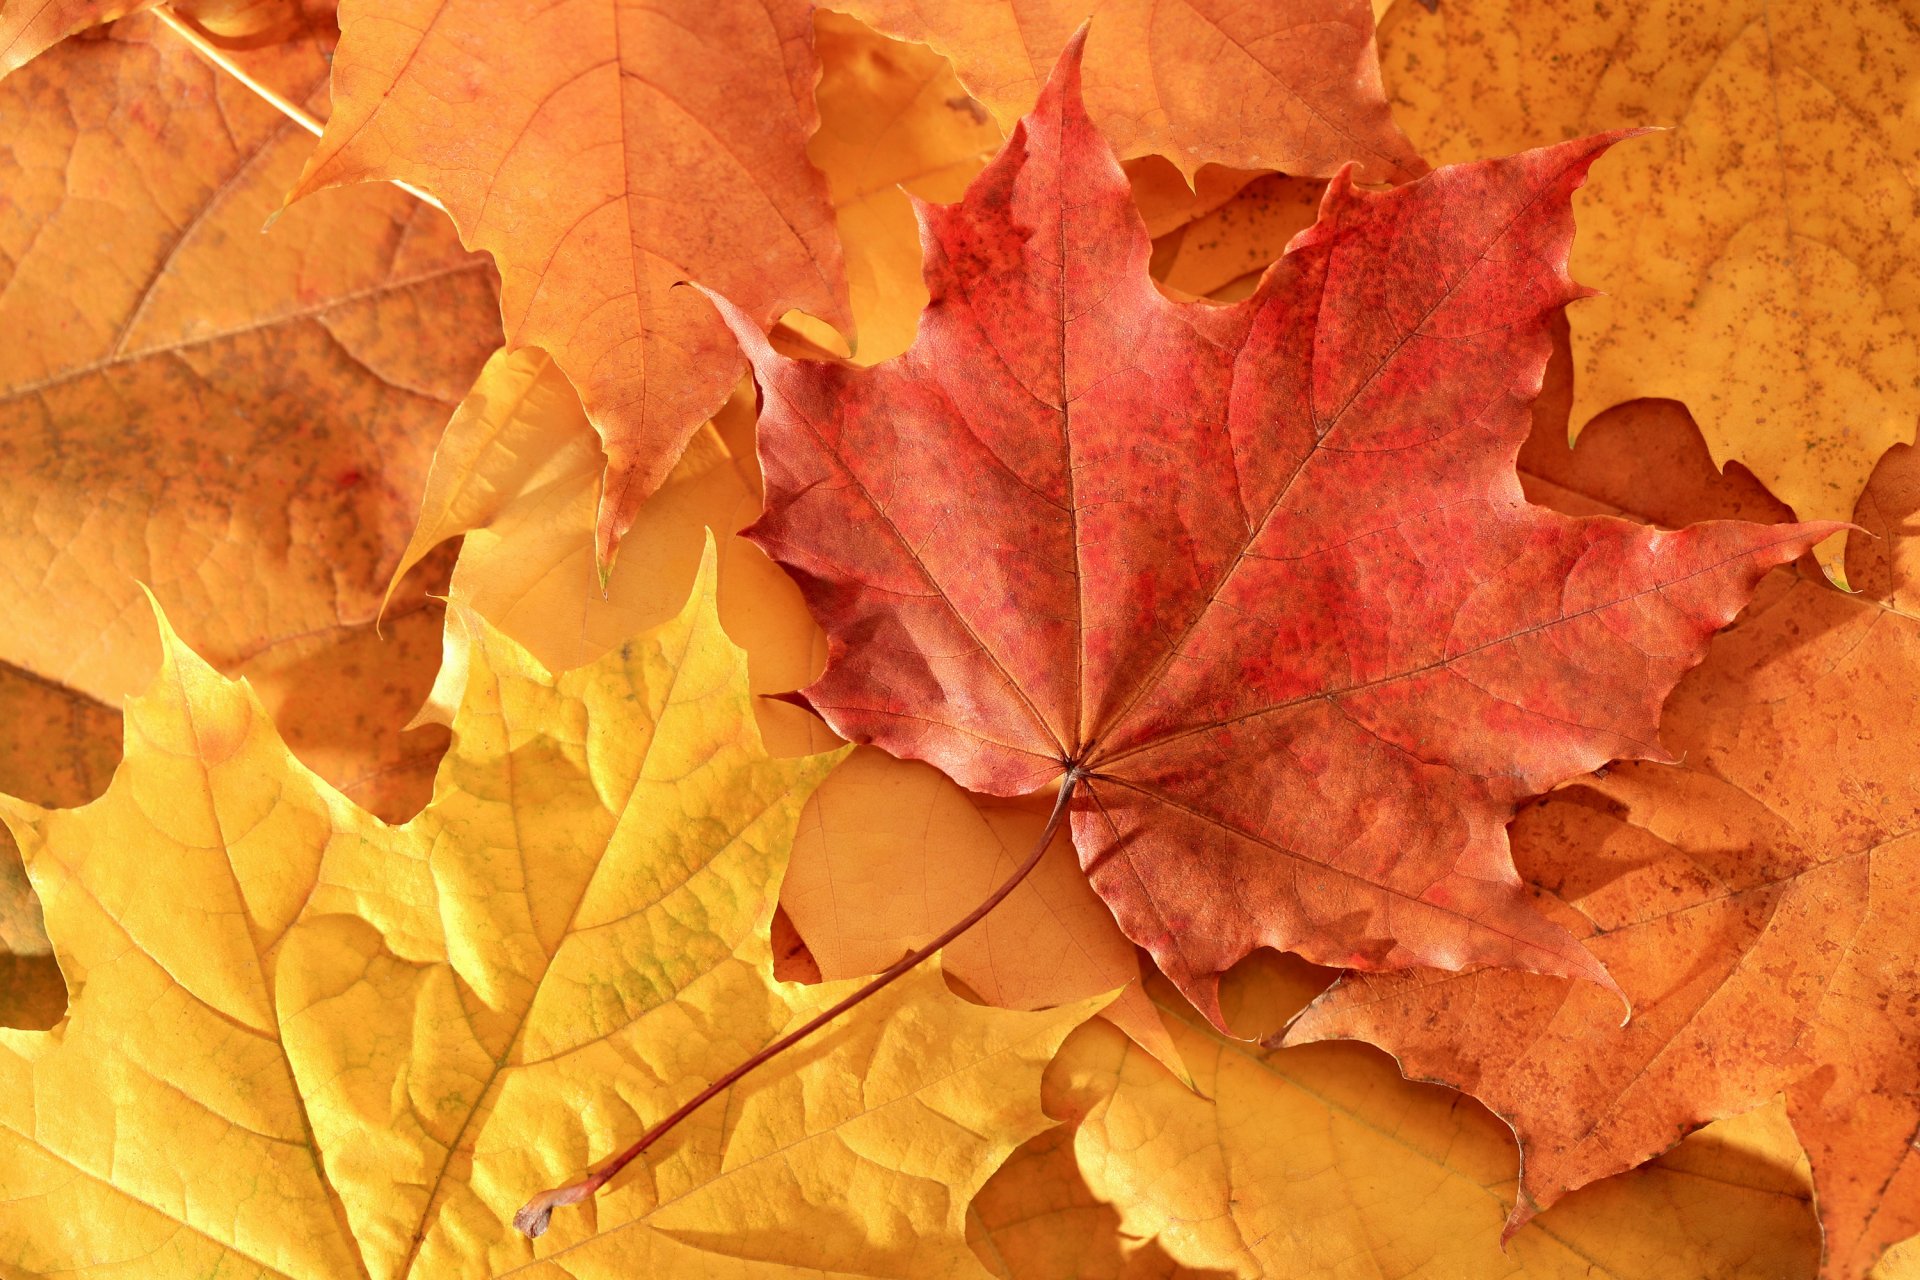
[[534, 1215], [293, 111]]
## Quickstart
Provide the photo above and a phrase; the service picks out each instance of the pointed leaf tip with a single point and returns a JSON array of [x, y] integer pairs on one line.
[[168, 636], [1063, 96], [746, 331], [181, 670], [705, 593]]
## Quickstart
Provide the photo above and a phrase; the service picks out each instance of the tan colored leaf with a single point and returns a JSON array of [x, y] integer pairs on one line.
[[889, 853], [1036, 1219], [29, 28], [1221, 253], [1166, 199], [603, 154], [1298, 80], [240, 420], [1755, 901], [1323, 1162], [58, 748], [518, 475], [894, 123], [1757, 261]]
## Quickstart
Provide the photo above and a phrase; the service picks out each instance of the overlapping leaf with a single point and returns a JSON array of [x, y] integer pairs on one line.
[[29, 28], [242, 421], [1222, 253], [1262, 574], [1323, 1162], [309, 1042], [889, 852], [1293, 85], [1323, 1152], [894, 125], [60, 749], [603, 152], [1236, 564], [1036, 1219], [517, 475], [1754, 901], [1757, 261]]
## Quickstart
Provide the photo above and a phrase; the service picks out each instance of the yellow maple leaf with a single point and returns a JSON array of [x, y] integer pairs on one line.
[[308, 1043], [517, 476], [1756, 260], [1295, 1163]]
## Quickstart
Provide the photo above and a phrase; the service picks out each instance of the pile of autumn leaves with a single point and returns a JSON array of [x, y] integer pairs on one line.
[[1254, 572]]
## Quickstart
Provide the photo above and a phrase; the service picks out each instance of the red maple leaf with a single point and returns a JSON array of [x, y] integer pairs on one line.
[[1262, 574]]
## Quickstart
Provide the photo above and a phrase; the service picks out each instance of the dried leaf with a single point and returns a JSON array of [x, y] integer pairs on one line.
[[889, 853], [1323, 1162], [1222, 253], [1167, 200], [894, 125], [60, 749], [1753, 901], [603, 154], [1036, 1219], [517, 474], [241, 421], [1299, 81], [1262, 573], [1756, 261], [310, 1042], [28, 30]]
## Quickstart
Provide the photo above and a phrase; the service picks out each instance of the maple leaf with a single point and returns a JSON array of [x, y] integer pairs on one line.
[[894, 124], [1167, 200], [1260, 575], [306, 1041], [1757, 259], [1036, 1219], [62, 750], [1219, 1176], [517, 476], [241, 421], [1323, 1161], [602, 153], [1222, 253], [29, 30], [1293, 86], [1753, 901], [890, 852], [514, 468]]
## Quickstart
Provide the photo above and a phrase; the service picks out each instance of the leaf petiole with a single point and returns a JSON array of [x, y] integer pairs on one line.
[[218, 58], [533, 1217]]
